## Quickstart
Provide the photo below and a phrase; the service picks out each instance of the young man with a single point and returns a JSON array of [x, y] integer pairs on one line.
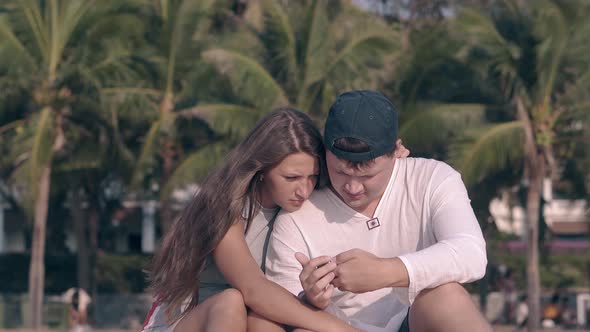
[[390, 238]]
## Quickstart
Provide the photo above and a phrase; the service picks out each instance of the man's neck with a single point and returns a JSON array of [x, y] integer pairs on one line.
[[369, 209]]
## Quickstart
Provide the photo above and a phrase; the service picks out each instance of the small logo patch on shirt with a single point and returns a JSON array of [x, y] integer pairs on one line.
[[373, 223]]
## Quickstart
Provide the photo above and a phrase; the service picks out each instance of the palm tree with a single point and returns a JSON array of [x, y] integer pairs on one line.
[[59, 54], [534, 53], [439, 97], [301, 54], [263, 34], [176, 34]]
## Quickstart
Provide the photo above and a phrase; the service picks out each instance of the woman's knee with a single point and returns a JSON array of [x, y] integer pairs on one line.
[[223, 311], [437, 300], [445, 292], [448, 303], [229, 301]]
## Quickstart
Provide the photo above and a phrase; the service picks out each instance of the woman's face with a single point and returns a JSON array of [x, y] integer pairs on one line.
[[290, 183]]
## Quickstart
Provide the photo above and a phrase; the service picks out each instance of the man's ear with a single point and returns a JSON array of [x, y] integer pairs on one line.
[[400, 150]]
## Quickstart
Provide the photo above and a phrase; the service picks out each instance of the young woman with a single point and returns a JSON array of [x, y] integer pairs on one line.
[[277, 166]]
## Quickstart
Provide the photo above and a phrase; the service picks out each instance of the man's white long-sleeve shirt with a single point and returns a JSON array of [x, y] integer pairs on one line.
[[425, 219]]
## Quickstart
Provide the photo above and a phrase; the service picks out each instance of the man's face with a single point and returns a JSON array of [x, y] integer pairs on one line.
[[361, 189]]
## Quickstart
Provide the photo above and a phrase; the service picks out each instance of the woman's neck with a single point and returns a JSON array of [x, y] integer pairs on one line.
[[265, 200]]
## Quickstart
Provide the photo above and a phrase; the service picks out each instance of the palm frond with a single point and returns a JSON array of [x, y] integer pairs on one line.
[[359, 52], [250, 81], [37, 25], [147, 155], [279, 38], [13, 52], [500, 56], [64, 18], [551, 28], [194, 167], [232, 120], [430, 126], [576, 15], [317, 45], [182, 20], [80, 160], [492, 149], [42, 147]]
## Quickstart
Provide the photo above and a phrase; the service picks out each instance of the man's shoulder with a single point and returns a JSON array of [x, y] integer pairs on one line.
[[319, 201], [422, 168], [307, 217]]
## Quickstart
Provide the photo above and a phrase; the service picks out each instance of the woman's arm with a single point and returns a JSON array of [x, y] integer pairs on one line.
[[266, 298]]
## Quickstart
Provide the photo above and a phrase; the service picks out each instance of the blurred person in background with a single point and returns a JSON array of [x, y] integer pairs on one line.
[[551, 312], [522, 312], [78, 310]]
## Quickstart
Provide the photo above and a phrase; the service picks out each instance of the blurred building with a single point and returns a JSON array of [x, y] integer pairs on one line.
[[568, 220], [12, 228], [133, 227]]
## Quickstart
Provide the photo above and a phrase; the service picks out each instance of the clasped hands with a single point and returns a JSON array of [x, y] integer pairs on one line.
[[355, 271]]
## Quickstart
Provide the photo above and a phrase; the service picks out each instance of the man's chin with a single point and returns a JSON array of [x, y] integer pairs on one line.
[[356, 204]]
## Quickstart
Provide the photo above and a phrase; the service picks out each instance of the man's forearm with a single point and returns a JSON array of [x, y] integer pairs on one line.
[[395, 272]]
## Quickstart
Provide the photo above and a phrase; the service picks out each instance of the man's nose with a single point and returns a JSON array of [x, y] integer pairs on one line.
[[353, 187]]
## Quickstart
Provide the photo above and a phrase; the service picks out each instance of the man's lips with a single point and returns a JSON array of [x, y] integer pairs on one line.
[[355, 196]]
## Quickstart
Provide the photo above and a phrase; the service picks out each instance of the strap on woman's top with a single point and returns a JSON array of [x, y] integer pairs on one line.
[[267, 239]]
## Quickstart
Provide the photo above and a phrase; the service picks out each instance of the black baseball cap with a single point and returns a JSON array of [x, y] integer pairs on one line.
[[366, 115]]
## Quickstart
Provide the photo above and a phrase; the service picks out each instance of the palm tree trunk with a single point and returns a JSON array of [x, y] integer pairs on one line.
[[534, 171], [37, 267], [166, 214], [532, 268], [81, 241], [168, 155], [93, 234]]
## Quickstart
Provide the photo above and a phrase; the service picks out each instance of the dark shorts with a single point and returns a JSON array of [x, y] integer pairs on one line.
[[405, 327]]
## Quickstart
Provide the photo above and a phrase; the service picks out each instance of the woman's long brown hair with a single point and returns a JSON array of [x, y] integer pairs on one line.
[[225, 194]]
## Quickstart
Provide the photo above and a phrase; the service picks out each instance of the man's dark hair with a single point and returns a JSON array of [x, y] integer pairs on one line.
[[350, 144]]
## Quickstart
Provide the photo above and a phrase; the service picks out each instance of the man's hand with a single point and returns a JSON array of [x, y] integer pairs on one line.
[[316, 278], [359, 271]]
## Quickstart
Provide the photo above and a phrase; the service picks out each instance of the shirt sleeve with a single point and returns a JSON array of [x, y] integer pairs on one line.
[[459, 254], [281, 265]]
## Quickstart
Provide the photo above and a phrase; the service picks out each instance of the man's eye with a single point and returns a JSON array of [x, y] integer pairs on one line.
[[291, 178]]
